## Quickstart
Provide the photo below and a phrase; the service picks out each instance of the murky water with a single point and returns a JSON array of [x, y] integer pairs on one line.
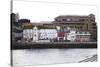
[[50, 56]]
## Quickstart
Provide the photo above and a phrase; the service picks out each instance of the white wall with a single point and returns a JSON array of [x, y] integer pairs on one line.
[[27, 33], [35, 34], [71, 35], [48, 33]]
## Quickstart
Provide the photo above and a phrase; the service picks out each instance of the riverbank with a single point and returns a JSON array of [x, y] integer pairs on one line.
[[54, 45]]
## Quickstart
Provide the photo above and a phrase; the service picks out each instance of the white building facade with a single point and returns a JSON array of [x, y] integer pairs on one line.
[[71, 36], [35, 35], [78, 36], [27, 34], [47, 34], [83, 37]]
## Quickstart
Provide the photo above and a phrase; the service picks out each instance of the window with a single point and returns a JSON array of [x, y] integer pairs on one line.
[[68, 19], [82, 20], [63, 19], [35, 35], [72, 36], [92, 19]]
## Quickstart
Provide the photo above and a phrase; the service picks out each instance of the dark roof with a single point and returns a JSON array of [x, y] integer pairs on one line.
[[75, 16], [67, 22], [71, 16]]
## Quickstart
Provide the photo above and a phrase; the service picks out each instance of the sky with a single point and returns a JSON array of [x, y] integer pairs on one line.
[[47, 11]]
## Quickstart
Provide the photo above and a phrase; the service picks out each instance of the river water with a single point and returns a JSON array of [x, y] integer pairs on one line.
[[50, 56]]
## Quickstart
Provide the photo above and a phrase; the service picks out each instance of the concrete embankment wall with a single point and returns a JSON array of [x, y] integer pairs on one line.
[[54, 45]]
